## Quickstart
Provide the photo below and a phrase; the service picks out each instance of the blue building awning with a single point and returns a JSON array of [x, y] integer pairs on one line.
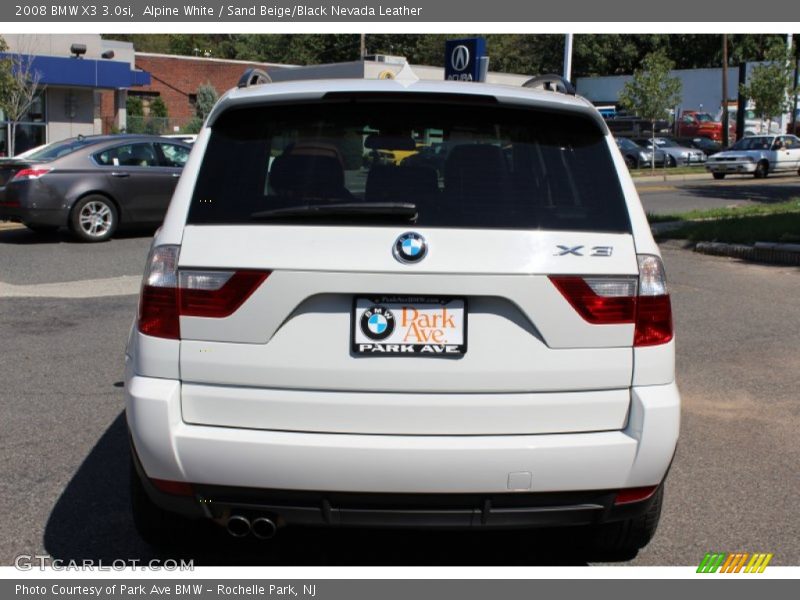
[[82, 72]]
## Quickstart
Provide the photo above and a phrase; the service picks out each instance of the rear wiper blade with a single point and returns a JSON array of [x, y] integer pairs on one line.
[[401, 210]]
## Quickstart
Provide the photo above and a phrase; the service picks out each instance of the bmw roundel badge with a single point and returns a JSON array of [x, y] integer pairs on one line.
[[377, 322], [410, 247]]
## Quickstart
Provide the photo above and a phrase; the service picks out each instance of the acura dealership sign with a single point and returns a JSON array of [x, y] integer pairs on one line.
[[465, 59]]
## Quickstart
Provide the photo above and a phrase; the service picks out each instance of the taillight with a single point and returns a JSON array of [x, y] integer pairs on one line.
[[653, 307], [643, 301], [158, 305], [168, 294], [601, 301], [216, 294], [30, 174]]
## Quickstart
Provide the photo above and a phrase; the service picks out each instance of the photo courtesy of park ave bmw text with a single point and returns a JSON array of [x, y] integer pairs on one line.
[[505, 290]]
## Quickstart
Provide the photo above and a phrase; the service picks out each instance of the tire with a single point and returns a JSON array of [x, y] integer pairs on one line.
[[41, 228], [94, 218], [671, 162], [762, 170], [631, 163], [719, 175], [622, 540], [154, 525]]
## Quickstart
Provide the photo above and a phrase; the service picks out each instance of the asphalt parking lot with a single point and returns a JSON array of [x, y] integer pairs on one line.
[[63, 464]]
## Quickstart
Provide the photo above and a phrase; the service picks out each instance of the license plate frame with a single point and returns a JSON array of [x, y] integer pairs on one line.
[[395, 302]]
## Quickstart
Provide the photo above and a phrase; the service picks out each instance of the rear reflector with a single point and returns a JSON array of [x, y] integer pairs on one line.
[[174, 488], [634, 495], [620, 300], [167, 294]]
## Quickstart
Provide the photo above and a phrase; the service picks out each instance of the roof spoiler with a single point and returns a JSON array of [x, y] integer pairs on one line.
[[253, 77], [551, 83]]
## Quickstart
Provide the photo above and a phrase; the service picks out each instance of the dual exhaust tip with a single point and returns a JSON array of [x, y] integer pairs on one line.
[[262, 527]]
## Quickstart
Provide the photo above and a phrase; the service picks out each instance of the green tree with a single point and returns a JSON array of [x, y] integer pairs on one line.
[[20, 88], [652, 92], [771, 84], [134, 106], [594, 54], [158, 108], [5, 74], [206, 99]]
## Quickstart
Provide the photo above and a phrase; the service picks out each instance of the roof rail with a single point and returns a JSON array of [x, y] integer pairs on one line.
[[253, 77], [551, 83]]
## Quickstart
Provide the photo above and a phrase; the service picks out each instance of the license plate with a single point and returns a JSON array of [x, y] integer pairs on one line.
[[409, 326]]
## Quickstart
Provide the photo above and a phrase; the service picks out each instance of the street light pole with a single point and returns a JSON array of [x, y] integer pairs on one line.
[[568, 57], [784, 121], [725, 119]]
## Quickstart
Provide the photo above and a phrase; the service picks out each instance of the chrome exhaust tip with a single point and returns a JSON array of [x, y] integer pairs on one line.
[[238, 526], [264, 528]]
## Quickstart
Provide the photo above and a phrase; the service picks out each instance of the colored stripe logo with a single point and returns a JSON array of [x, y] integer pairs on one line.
[[735, 562]]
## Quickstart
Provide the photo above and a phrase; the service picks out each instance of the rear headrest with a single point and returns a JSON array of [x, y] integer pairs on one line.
[[475, 165], [389, 183], [307, 175]]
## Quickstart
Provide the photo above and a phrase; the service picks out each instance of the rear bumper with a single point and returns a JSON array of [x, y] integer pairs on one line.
[[24, 203], [441, 511], [220, 459]]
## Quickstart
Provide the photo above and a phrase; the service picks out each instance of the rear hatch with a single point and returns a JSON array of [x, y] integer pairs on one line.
[[334, 290]]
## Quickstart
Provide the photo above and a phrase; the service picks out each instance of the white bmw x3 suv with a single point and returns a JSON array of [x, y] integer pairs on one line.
[[379, 304]]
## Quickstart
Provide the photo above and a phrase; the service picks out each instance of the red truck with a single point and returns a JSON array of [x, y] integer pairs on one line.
[[700, 124]]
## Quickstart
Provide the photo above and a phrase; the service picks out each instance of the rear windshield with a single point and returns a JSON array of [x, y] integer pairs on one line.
[[458, 165], [59, 149]]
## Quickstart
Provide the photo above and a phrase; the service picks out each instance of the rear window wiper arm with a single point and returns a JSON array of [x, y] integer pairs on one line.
[[401, 210]]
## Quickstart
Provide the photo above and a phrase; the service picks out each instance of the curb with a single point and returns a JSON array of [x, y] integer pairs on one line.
[[662, 178], [767, 252], [657, 228]]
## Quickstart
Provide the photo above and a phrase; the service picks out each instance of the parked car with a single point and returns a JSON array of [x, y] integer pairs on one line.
[[694, 124], [706, 145], [637, 157], [758, 155], [677, 155], [301, 353], [92, 184]]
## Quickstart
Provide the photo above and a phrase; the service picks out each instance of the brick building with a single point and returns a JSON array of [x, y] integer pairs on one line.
[[175, 80]]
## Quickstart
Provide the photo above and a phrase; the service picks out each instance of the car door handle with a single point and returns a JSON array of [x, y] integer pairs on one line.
[[120, 174]]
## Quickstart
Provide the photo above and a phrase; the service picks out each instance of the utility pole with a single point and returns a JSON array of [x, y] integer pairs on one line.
[[784, 121], [725, 137], [796, 89], [568, 57], [363, 51]]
